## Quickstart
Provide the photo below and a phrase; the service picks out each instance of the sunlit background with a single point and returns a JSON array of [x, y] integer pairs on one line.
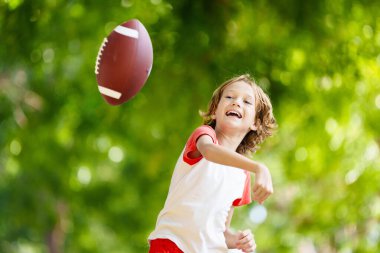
[[79, 175]]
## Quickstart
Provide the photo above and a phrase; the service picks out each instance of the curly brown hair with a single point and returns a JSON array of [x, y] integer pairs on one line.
[[264, 119]]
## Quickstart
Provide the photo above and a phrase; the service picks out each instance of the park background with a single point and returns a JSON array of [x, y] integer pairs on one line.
[[79, 175]]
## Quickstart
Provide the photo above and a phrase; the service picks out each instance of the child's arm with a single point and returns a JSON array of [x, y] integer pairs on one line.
[[262, 187], [242, 240]]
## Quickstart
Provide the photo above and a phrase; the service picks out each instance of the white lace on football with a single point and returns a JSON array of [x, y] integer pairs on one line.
[[105, 41]]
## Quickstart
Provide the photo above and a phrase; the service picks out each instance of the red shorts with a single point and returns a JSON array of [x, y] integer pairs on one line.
[[163, 246]]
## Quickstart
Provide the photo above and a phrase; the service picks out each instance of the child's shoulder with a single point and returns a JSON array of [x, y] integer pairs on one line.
[[204, 129]]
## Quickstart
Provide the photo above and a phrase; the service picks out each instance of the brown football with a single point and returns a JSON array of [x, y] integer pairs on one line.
[[124, 62]]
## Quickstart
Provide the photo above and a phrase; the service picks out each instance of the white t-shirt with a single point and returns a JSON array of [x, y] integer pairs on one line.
[[200, 196]]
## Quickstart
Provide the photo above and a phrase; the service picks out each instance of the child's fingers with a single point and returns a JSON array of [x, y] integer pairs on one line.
[[261, 193], [245, 235], [262, 197], [267, 187], [247, 247], [266, 196], [246, 241]]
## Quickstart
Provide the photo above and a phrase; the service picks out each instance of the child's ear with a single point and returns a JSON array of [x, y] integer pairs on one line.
[[213, 116]]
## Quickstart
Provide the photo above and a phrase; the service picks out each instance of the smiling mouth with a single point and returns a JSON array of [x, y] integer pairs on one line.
[[233, 114]]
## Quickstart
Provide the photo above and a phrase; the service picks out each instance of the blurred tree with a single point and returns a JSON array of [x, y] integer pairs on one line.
[[78, 175]]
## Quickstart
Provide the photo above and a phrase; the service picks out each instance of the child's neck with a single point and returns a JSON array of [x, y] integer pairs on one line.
[[229, 140]]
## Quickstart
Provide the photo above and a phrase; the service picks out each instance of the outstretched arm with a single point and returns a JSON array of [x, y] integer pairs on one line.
[[242, 240], [262, 187]]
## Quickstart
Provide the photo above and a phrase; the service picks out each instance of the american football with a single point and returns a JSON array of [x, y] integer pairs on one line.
[[124, 62]]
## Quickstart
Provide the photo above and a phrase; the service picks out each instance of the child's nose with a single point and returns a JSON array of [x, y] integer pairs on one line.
[[237, 102]]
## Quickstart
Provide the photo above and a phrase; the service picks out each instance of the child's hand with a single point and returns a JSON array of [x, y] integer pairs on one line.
[[262, 187], [245, 241]]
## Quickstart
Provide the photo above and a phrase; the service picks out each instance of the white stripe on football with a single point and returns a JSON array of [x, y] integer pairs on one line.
[[127, 31], [109, 92]]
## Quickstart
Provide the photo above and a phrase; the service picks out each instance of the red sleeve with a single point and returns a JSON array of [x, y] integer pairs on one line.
[[191, 144], [246, 198]]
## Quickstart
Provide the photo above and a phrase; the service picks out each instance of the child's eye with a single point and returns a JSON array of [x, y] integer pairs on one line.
[[247, 102], [229, 97]]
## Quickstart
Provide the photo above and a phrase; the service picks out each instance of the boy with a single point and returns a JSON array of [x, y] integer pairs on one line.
[[212, 175]]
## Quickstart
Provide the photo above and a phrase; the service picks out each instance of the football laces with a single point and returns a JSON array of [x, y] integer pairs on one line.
[[99, 56]]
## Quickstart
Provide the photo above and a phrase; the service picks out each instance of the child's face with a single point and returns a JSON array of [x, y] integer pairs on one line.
[[236, 107]]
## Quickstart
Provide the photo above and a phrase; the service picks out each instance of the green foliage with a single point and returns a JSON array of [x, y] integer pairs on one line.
[[78, 175]]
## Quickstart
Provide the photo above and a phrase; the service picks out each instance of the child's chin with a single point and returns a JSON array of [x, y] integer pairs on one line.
[[234, 121], [235, 124]]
